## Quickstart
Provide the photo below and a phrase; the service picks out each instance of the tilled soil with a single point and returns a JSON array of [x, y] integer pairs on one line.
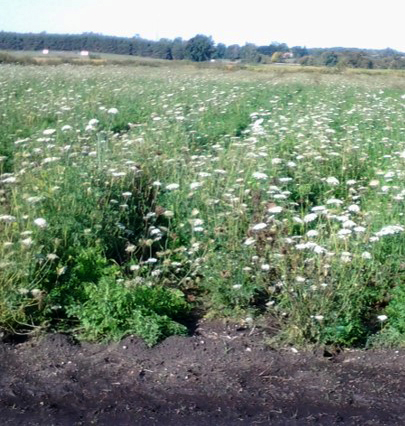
[[222, 375]]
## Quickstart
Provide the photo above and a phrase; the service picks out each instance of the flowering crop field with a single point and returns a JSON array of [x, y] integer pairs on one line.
[[135, 198]]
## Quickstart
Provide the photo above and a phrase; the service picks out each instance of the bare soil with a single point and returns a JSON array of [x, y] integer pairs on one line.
[[222, 375]]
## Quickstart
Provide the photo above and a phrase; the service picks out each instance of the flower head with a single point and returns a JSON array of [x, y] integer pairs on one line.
[[41, 222]]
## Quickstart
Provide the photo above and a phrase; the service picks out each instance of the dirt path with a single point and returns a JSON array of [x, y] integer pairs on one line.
[[220, 376]]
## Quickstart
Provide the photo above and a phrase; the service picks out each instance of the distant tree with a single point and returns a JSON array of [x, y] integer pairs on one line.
[[299, 51], [232, 52], [307, 60], [249, 53], [282, 47], [178, 48], [358, 60], [272, 48], [388, 52], [199, 48], [330, 59], [162, 49], [276, 57], [202, 48], [220, 51]]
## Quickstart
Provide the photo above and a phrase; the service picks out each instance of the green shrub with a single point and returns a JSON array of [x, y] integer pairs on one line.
[[112, 311], [396, 310]]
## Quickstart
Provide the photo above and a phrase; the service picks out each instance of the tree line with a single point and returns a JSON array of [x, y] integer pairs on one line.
[[202, 48]]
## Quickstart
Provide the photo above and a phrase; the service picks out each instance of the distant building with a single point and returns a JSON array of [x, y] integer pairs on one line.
[[45, 51], [84, 53], [287, 55]]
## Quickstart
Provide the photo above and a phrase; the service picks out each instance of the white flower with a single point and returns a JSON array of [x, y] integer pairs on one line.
[[332, 181], [319, 317], [311, 246], [112, 111], [26, 233], [66, 127], [11, 179], [36, 292], [7, 218], [237, 286], [172, 186], [318, 249], [27, 242], [265, 267], [130, 248], [318, 209], [389, 230], [249, 241], [197, 222], [366, 255], [276, 209], [310, 217], [259, 226], [34, 200], [260, 176], [168, 213], [195, 185], [41, 222], [334, 201], [49, 132], [346, 257], [204, 174], [312, 233], [93, 122], [354, 208], [382, 318], [258, 122], [155, 231], [349, 224], [48, 160]]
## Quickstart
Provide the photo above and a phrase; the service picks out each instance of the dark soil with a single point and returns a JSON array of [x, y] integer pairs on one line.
[[223, 375]]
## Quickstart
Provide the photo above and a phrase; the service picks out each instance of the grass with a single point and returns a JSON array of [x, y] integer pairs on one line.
[[27, 57], [132, 197]]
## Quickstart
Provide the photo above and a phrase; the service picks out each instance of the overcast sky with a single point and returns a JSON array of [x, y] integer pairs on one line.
[[313, 23]]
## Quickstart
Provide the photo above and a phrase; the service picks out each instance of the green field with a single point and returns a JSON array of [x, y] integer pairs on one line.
[[135, 198]]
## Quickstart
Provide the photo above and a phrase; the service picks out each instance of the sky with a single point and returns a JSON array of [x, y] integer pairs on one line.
[[312, 23]]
